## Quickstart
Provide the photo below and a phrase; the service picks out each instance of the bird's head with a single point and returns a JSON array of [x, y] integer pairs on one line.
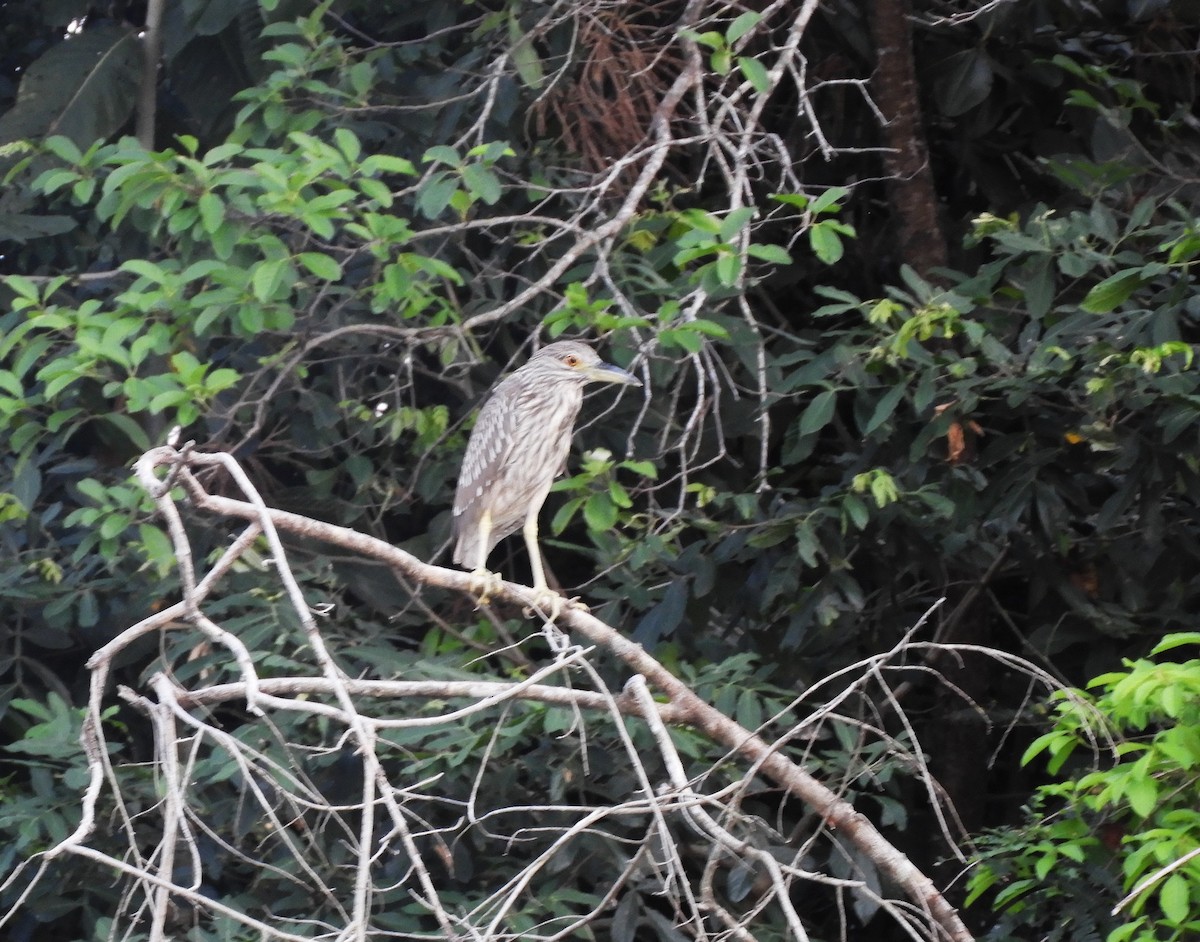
[[570, 358]]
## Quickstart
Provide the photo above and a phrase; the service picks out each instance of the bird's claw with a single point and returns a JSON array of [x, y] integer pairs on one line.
[[546, 603], [549, 605], [484, 584]]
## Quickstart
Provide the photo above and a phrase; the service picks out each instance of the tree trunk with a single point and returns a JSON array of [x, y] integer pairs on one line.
[[911, 192]]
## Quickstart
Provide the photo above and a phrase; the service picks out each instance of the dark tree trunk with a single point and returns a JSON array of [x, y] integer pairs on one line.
[[911, 192]]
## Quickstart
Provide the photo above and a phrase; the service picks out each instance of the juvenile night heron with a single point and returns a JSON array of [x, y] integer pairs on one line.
[[518, 447]]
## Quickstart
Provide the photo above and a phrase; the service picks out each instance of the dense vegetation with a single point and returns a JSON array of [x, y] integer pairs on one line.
[[335, 225]]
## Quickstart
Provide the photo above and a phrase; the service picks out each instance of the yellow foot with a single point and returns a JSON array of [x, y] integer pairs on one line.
[[546, 603], [550, 604], [483, 584]]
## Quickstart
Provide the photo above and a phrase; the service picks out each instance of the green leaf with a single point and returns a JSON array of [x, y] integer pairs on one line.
[[755, 73], [64, 149], [482, 183], [1176, 640], [146, 269], [775, 254], [53, 180], [321, 265], [884, 409], [129, 428], [819, 412], [212, 212], [435, 195], [711, 39], [565, 514], [966, 81], [825, 241], [11, 383], [741, 26], [268, 278], [798, 200], [83, 88], [1111, 292], [348, 143], [386, 163], [734, 222], [1175, 898], [1142, 794], [600, 512], [441, 153], [829, 199], [856, 511], [23, 287], [662, 620], [113, 525], [645, 468], [528, 65], [618, 495], [157, 548], [729, 269], [709, 328]]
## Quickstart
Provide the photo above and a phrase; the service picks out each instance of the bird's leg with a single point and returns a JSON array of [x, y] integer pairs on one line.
[[483, 581], [544, 597]]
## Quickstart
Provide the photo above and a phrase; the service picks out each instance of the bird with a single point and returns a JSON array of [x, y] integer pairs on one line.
[[517, 448]]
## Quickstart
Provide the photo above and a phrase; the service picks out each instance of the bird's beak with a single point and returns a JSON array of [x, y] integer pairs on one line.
[[607, 373]]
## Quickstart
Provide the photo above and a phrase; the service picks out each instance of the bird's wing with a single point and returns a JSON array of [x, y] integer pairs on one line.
[[487, 452]]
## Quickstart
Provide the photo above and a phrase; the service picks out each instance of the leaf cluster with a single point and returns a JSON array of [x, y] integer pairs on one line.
[[1130, 827]]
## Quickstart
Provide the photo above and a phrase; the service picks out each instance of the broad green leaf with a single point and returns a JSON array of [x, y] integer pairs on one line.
[[385, 163], [829, 198], [756, 74], [819, 412], [734, 222], [711, 39], [965, 82], [441, 153], [11, 384], [1111, 292], [1176, 640], [565, 514], [157, 547], [886, 406], [83, 88], [129, 428], [775, 254], [729, 269], [435, 195], [645, 468], [268, 278], [482, 183], [24, 227], [22, 286], [212, 212], [706, 327], [1142, 794], [600, 512], [527, 63], [826, 243], [741, 26], [1175, 898], [321, 265], [856, 511]]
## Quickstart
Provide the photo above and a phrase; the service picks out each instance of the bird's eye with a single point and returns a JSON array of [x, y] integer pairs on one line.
[[571, 360]]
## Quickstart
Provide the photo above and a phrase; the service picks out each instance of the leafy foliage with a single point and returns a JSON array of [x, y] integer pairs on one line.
[[1133, 825], [326, 260]]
